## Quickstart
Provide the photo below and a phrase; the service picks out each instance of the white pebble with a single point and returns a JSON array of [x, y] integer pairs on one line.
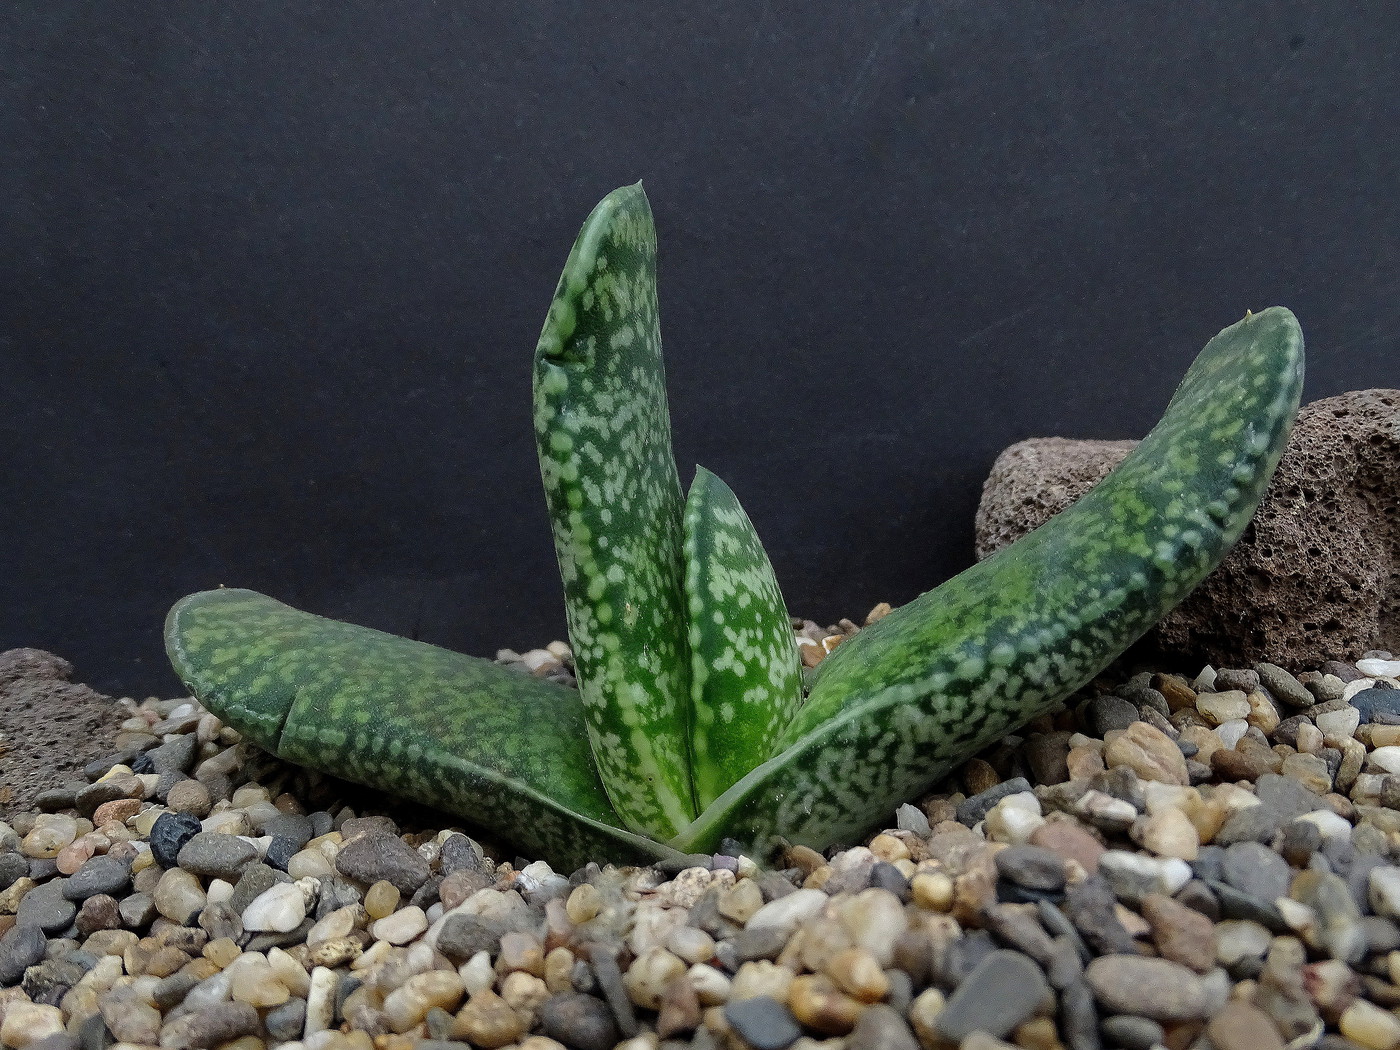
[[1385, 890], [477, 973], [400, 927], [1386, 758], [278, 909], [1332, 825], [1358, 686], [220, 890], [320, 1000], [1388, 668], [787, 913], [1341, 723], [1230, 732], [1014, 818]]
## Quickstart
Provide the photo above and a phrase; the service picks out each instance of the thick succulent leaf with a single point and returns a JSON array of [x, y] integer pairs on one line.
[[746, 675], [604, 437], [497, 747], [895, 708]]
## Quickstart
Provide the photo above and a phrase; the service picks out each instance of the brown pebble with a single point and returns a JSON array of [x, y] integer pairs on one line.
[[1243, 1026], [819, 1005], [119, 809], [1070, 840], [1181, 934]]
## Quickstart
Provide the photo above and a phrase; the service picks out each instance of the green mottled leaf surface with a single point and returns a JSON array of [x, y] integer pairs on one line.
[[603, 433], [497, 747], [746, 675], [896, 707]]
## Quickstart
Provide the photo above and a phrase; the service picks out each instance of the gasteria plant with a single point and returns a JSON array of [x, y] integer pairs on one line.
[[690, 724]]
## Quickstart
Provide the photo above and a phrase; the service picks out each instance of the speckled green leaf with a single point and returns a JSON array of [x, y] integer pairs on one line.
[[746, 675], [604, 437], [896, 707], [497, 747]]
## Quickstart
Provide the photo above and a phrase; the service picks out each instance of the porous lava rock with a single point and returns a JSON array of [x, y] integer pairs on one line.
[[52, 727], [1316, 575]]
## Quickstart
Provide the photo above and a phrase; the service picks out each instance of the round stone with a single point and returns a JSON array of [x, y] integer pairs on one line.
[[169, 834], [1156, 988], [214, 855], [763, 1023]]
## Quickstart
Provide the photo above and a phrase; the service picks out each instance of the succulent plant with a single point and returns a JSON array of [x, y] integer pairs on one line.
[[690, 725]]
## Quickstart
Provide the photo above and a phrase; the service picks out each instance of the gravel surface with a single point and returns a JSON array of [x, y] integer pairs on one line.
[[1192, 862]]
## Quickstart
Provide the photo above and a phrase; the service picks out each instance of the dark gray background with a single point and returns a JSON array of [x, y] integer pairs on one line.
[[273, 273]]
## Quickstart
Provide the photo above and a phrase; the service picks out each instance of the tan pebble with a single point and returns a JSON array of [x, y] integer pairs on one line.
[[559, 970], [1384, 736], [804, 858], [1262, 713], [521, 951], [855, 972], [1218, 708], [740, 902], [336, 952], [889, 849], [818, 1004], [760, 977], [879, 612], [524, 992], [408, 1004], [923, 1012], [1170, 833], [338, 923], [541, 1042], [818, 878], [1178, 693], [1134, 923], [875, 919], [289, 971], [1084, 762], [711, 986], [585, 902], [27, 1023], [691, 944], [812, 652], [256, 985], [646, 979], [1149, 753], [1369, 1026], [1038, 1034], [52, 832], [401, 927], [488, 1021], [381, 899]]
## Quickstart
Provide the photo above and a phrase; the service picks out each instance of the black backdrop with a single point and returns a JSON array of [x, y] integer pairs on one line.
[[273, 273]]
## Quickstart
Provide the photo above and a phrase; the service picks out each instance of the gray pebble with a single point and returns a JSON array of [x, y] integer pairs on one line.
[[280, 852], [89, 798], [1132, 1033], [176, 756], [210, 1026], [286, 1022], [1283, 686], [20, 948], [1090, 905], [1000, 993], [1032, 867], [216, 855], [1251, 824], [763, 1022], [45, 906], [1079, 1017], [373, 855], [1286, 796], [13, 867], [580, 1021], [100, 767], [295, 826], [1237, 905], [54, 799], [881, 1027], [1105, 713], [136, 910], [763, 943], [1246, 681], [462, 936], [609, 978], [1255, 869], [101, 874]]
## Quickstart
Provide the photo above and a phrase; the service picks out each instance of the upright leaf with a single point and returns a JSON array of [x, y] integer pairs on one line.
[[604, 438], [497, 747], [895, 708], [746, 676]]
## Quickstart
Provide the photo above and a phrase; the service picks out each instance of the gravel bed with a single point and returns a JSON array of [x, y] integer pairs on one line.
[[1201, 863]]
